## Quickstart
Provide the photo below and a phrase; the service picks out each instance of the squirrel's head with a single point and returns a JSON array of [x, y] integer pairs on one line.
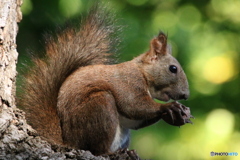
[[165, 76]]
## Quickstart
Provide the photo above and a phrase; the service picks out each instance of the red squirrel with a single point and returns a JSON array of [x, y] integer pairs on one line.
[[76, 96]]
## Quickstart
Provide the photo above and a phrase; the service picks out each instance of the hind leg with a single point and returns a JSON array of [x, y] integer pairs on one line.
[[97, 122]]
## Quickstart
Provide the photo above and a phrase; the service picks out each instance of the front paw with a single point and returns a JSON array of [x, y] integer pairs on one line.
[[176, 114]]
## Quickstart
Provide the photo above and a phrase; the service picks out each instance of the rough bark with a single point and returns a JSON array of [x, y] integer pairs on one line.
[[17, 139]]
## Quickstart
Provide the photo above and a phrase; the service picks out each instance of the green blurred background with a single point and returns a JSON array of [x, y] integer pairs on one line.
[[205, 37]]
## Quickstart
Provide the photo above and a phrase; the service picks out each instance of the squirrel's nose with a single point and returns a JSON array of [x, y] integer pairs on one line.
[[184, 96]]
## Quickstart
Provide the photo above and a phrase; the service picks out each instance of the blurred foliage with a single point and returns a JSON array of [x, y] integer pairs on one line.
[[205, 38]]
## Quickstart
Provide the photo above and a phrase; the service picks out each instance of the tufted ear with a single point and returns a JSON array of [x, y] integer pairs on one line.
[[158, 45], [158, 48]]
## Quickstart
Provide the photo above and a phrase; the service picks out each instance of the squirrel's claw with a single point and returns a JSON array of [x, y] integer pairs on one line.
[[191, 116], [171, 115], [177, 114]]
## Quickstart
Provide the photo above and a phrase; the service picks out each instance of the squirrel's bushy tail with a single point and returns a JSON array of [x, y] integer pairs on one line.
[[90, 44]]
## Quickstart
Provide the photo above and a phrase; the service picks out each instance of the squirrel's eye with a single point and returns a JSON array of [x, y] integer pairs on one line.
[[173, 69]]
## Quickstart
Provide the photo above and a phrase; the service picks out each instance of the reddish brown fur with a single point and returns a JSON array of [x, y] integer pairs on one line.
[[71, 49], [74, 97]]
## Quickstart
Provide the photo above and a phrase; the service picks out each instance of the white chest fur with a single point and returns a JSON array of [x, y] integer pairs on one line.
[[121, 138]]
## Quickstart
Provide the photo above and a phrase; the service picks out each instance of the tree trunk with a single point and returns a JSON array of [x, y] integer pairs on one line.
[[17, 139]]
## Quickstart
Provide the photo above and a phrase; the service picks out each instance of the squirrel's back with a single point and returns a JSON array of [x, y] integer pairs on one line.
[[89, 44]]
